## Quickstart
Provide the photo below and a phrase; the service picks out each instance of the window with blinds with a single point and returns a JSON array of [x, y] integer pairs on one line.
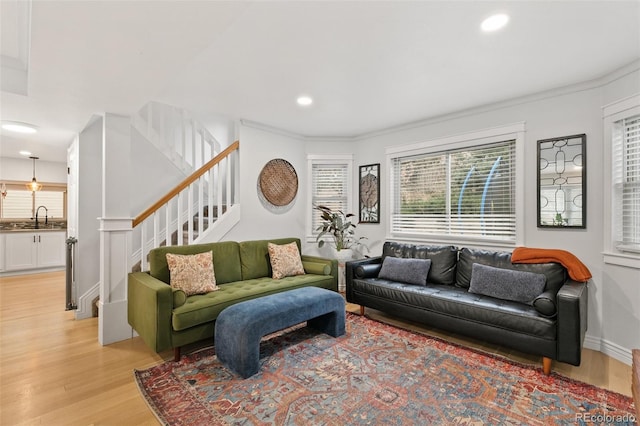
[[467, 193], [626, 184], [22, 204], [329, 188]]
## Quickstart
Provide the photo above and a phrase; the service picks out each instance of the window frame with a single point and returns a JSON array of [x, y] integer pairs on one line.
[[613, 113], [47, 187], [458, 142], [328, 159]]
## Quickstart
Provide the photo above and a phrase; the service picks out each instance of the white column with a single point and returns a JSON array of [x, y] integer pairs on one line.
[[115, 230], [115, 249]]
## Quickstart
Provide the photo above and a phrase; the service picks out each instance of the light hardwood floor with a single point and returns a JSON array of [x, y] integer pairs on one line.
[[53, 371]]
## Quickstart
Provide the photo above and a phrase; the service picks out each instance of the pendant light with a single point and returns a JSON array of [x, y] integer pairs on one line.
[[34, 185]]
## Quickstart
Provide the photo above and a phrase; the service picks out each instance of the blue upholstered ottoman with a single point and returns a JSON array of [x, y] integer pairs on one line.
[[240, 327]]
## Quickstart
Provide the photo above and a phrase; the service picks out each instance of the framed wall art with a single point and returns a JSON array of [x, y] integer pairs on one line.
[[562, 182], [369, 196]]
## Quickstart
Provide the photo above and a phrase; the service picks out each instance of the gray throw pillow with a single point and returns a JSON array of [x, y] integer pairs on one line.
[[410, 271], [506, 284]]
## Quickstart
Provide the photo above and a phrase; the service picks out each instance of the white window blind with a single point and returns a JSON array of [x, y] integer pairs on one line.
[[626, 183], [468, 192], [20, 204], [329, 188]]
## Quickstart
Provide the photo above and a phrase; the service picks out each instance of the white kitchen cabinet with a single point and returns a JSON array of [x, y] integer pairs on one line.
[[27, 250], [51, 246]]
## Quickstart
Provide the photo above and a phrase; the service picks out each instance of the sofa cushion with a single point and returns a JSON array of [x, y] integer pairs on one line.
[[410, 271], [370, 270], [202, 308], [545, 304], [506, 284], [254, 257], [179, 297], [317, 268], [226, 260], [192, 273], [443, 259], [453, 302], [391, 248], [443, 263], [285, 260], [555, 273]]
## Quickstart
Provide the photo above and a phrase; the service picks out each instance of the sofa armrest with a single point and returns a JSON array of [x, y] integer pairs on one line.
[[149, 309], [572, 302], [350, 270], [332, 263]]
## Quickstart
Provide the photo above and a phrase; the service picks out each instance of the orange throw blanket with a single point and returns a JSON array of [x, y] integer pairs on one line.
[[577, 270]]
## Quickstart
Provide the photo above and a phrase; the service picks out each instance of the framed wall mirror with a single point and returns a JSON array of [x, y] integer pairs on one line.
[[562, 183]]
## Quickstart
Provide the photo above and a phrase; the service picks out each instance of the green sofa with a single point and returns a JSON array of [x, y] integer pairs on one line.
[[165, 318]]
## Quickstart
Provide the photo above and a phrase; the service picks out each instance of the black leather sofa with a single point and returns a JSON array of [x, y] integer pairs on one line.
[[552, 326]]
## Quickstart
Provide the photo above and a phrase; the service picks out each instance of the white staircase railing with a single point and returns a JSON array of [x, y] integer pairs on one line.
[[188, 212], [177, 134]]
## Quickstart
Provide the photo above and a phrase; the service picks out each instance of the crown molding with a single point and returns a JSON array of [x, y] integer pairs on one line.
[[508, 103]]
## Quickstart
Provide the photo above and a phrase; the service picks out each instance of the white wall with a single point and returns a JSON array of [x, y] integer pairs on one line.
[[18, 169], [620, 285], [614, 291], [89, 192], [257, 147], [153, 173]]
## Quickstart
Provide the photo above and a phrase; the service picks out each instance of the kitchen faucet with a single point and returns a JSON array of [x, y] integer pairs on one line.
[[46, 217]]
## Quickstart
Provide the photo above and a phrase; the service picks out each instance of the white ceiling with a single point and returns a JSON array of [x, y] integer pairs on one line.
[[368, 65]]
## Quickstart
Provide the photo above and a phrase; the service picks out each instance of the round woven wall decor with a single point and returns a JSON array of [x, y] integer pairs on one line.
[[278, 182]]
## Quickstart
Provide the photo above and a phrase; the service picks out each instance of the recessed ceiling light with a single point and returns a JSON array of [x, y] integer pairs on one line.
[[304, 100], [16, 126], [25, 153], [494, 22]]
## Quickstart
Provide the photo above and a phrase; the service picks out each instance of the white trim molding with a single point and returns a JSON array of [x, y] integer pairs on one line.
[[611, 113], [85, 302], [312, 159], [608, 348]]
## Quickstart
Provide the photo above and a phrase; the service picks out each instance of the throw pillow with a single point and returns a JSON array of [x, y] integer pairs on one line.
[[316, 268], [506, 284], [545, 304], [285, 260], [406, 270], [193, 273]]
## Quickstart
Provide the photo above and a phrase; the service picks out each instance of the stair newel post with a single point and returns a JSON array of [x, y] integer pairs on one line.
[[115, 230]]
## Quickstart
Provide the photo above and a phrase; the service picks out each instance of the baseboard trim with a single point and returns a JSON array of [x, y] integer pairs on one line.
[[85, 310], [608, 348]]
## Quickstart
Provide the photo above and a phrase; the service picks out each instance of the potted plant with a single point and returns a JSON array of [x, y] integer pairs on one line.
[[342, 230]]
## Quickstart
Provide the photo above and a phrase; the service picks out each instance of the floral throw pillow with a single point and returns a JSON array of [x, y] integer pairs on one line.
[[285, 260], [192, 273]]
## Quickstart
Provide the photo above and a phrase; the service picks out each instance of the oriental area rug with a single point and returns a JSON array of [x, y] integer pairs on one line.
[[375, 374]]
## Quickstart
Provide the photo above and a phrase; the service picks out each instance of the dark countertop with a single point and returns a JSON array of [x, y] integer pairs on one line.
[[10, 227]]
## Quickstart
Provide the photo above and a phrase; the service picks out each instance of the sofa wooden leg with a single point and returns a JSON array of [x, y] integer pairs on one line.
[[546, 365], [361, 310], [176, 354]]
